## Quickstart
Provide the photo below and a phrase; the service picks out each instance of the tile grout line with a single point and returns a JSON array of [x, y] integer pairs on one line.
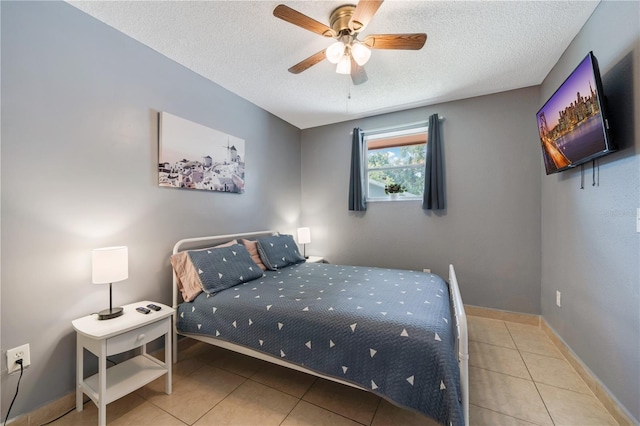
[[290, 411], [506, 415], [500, 412], [493, 344], [504, 347], [157, 406], [591, 393], [376, 411], [217, 403], [538, 383], [280, 390], [500, 372], [516, 377], [563, 358], [333, 412], [301, 399], [531, 375], [611, 404]]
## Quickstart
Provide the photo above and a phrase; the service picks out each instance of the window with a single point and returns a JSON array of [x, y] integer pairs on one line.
[[395, 158]]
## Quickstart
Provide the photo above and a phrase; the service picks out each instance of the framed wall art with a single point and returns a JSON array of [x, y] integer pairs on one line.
[[194, 156]]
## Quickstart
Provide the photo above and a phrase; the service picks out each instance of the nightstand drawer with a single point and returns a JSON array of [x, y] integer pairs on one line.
[[138, 337]]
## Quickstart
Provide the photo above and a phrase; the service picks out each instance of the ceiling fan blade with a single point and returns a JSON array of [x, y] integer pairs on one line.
[[358, 74], [363, 14], [303, 21], [307, 63], [413, 41]]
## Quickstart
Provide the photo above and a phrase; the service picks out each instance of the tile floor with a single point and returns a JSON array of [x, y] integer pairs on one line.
[[517, 377]]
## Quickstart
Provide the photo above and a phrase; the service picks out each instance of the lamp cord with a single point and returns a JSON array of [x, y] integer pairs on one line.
[[17, 389]]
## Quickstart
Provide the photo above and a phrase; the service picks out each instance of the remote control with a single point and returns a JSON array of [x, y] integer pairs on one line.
[[154, 307], [143, 310]]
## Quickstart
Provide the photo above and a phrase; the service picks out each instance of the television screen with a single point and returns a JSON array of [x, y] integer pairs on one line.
[[572, 123]]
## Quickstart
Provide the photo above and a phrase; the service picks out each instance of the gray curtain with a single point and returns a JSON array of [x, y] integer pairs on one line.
[[357, 198], [434, 198]]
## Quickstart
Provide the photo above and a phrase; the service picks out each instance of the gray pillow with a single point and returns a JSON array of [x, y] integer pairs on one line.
[[279, 251], [224, 267]]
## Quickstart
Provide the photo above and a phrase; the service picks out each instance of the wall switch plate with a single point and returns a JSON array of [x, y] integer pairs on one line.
[[21, 352], [558, 299]]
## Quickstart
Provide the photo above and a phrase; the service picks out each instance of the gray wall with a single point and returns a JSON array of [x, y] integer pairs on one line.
[[79, 171], [590, 248], [491, 228]]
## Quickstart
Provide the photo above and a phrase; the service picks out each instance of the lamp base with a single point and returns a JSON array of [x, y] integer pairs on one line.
[[109, 313]]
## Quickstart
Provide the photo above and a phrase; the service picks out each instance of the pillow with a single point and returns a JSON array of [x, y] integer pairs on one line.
[[279, 251], [187, 277], [230, 243], [188, 282], [252, 247], [223, 267]]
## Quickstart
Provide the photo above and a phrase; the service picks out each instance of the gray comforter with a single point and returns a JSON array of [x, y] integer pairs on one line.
[[387, 330]]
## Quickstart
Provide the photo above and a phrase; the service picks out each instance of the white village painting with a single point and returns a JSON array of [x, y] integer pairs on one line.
[[198, 157]]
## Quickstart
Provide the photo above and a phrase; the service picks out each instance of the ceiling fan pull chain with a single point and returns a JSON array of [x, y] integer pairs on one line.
[[346, 102]]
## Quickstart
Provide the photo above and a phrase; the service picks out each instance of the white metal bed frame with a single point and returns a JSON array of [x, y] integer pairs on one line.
[[462, 348]]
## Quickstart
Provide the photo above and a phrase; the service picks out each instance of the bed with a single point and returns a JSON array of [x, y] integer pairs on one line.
[[399, 334]]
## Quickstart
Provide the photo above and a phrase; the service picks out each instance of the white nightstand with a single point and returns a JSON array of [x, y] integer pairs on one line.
[[315, 259], [114, 336]]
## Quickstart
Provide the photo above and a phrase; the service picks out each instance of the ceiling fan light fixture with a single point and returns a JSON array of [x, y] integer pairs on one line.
[[334, 52], [344, 65], [347, 52], [360, 53]]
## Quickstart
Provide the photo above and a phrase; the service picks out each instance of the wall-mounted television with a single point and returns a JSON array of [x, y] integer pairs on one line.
[[572, 124]]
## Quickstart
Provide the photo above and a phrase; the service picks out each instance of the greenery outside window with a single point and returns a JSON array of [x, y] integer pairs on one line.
[[395, 158]]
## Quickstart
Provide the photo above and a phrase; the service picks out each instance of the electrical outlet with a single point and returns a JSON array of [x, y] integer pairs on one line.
[[13, 355], [426, 270], [558, 299]]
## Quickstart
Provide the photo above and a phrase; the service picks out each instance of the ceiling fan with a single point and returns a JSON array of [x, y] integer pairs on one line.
[[348, 53]]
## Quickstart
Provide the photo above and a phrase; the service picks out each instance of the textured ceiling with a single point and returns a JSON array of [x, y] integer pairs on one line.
[[473, 48]]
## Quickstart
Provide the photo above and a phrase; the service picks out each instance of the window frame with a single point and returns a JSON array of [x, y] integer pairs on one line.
[[388, 134]]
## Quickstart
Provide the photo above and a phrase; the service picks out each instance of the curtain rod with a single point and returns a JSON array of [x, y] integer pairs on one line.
[[398, 127]]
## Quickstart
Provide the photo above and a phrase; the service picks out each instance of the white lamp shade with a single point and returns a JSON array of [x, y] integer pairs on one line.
[[304, 235], [334, 52], [360, 53], [344, 65], [110, 264]]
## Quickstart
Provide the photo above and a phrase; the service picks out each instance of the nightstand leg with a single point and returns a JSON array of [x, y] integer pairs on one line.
[[79, 372], [167, 359], [102, 384]]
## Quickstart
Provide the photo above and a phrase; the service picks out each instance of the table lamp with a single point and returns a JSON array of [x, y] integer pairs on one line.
[[304, 237], [110, 265]]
